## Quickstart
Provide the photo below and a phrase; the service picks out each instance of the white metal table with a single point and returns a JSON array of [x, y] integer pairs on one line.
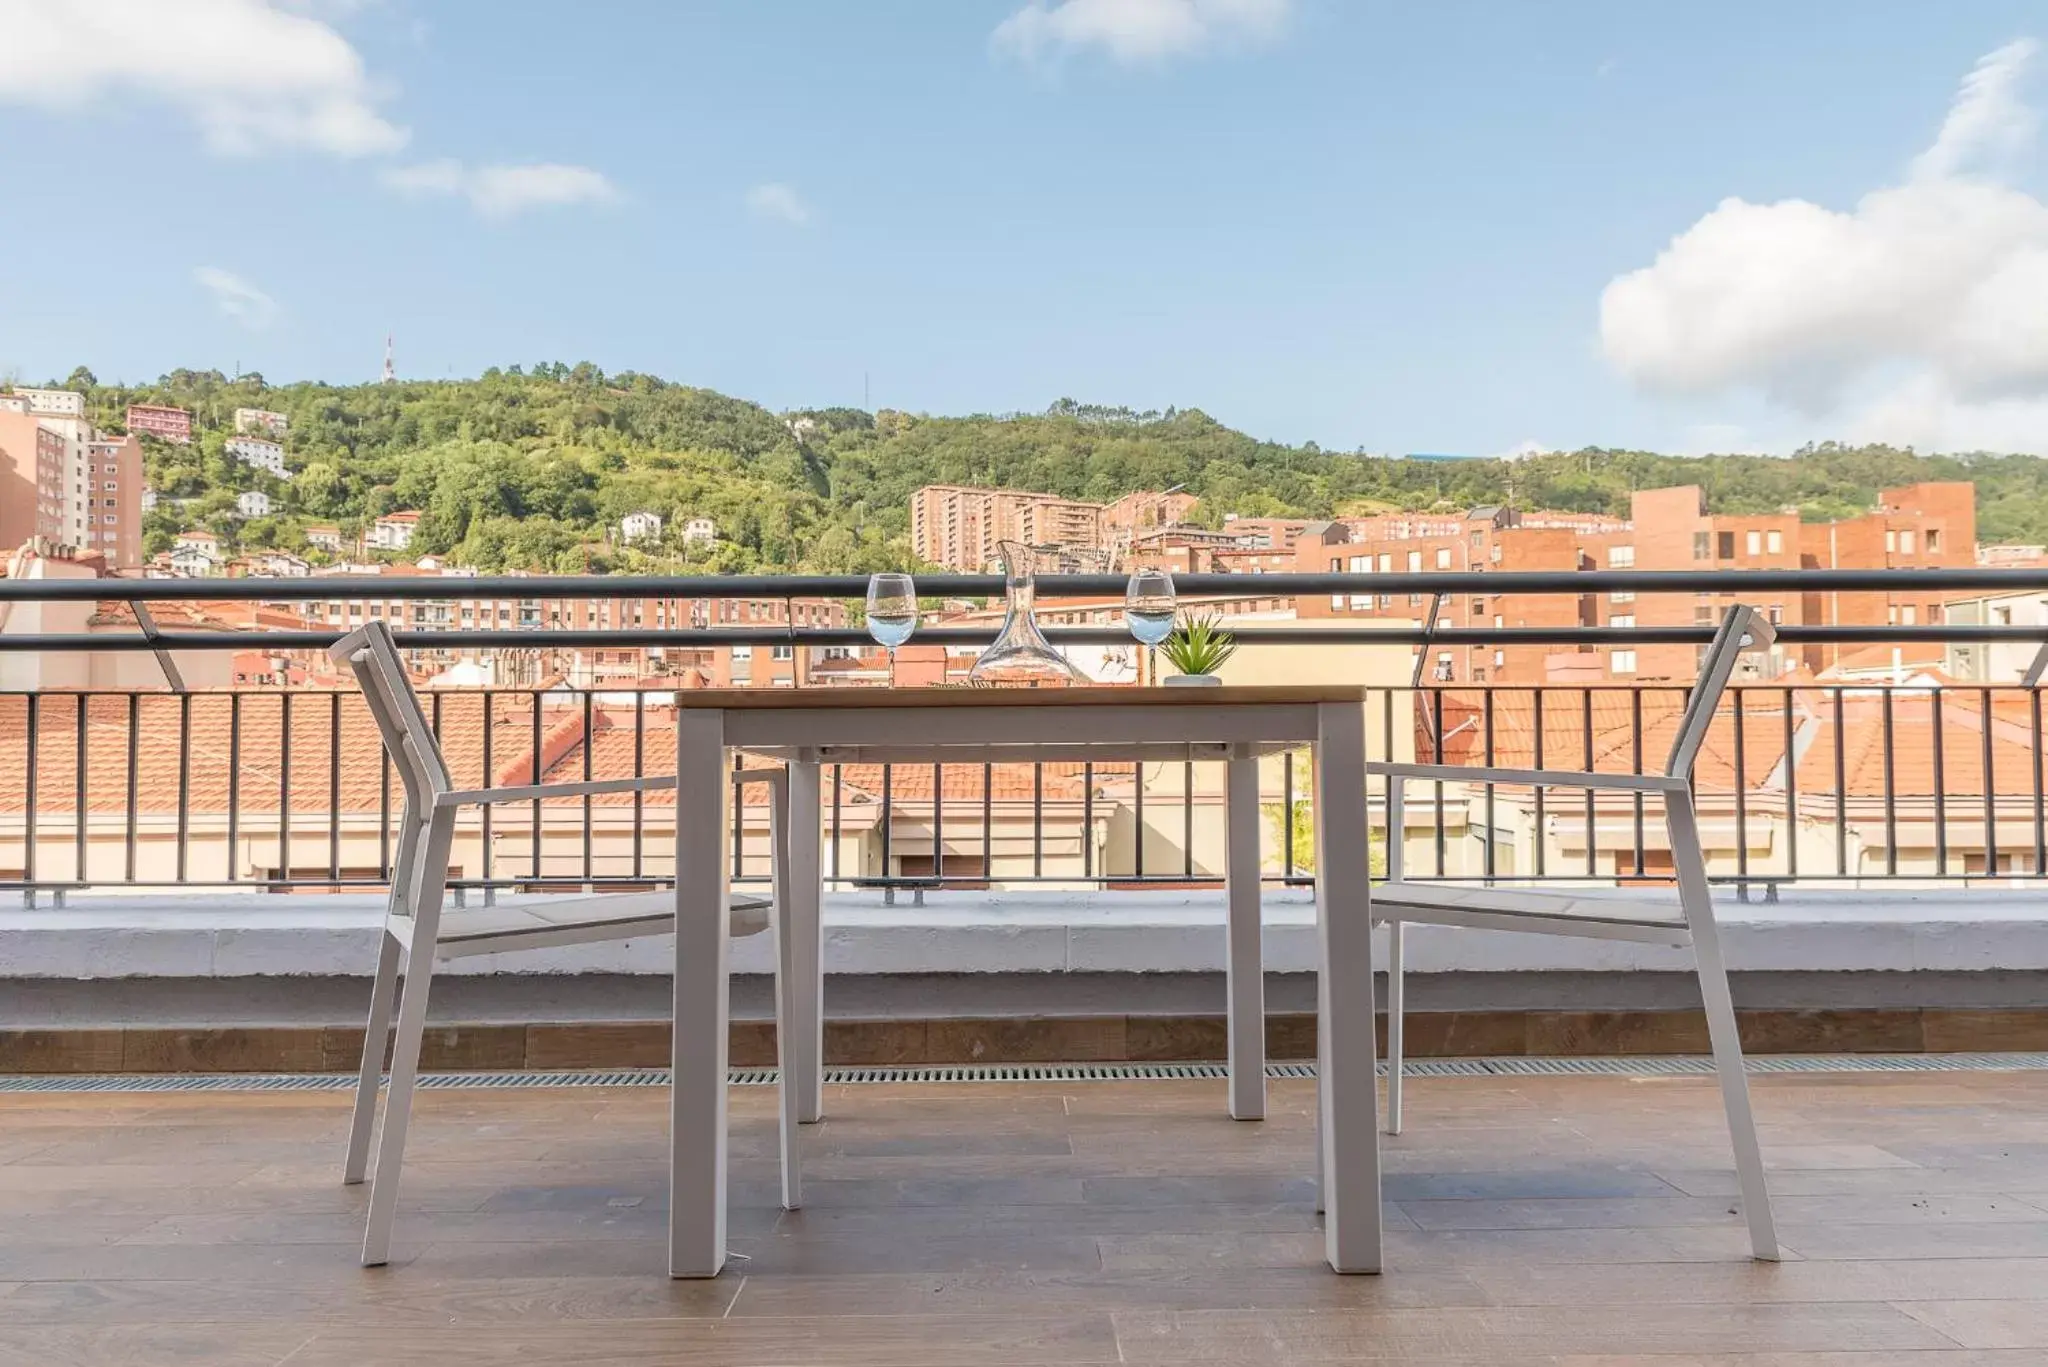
[[813, 727]]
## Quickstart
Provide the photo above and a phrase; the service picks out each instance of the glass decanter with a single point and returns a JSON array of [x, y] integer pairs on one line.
[[1020, 653]]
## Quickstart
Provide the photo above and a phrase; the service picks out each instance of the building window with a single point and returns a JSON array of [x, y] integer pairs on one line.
[[1479, 538], [1891, 541], [1701, 542], [1360, 564], [1500, 657], [1906, 542], [1479, 674], [1621, 557], [1933, 542], [1726, 549], [1622, 620], [1702, 614], [1622, 662], [784, 652], [1414, 600], [1776, 612], [1754, 543], [1774, 542], [1443, 557], [1622, 596], [1386, 563], [1909, 616], [1414, 562]]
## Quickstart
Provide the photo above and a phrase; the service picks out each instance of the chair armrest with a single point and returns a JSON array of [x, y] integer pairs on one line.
[[771, 777], [1541, 778], [485, 797]]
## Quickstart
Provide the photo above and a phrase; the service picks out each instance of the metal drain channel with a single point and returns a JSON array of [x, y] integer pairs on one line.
[[1647, 1066]]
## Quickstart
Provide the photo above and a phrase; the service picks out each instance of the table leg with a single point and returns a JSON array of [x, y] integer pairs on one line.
[[1346, 1094], [697, 1117], [1244, 966], [806, 1054]]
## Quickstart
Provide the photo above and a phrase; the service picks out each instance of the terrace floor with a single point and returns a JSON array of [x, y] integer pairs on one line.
[[1579, 1221]]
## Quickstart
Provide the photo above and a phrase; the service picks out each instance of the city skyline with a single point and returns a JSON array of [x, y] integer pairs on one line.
[[1460, 229]]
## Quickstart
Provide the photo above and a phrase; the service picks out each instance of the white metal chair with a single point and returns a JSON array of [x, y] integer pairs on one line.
[[1690, 922], [418, 931]]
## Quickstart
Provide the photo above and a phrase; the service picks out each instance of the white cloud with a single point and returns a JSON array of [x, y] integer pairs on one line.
[[778, 201], [253, 76], [501, 191], [236, 298], [1919, 315], [1136, 32]]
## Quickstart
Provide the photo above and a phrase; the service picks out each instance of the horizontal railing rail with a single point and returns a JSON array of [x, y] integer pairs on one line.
[[266, 788]]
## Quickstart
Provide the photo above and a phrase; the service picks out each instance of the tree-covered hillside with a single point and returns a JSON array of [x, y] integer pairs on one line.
[[530, 468]]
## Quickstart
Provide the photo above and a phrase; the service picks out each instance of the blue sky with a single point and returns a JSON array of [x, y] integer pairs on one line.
[[1361, 223]]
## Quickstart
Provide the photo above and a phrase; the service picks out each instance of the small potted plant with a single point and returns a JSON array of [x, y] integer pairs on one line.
[[1197, 648]]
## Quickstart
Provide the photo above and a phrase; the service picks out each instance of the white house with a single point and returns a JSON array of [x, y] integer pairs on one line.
[[393, 531], [641, 526], [253, 503], [276, 565], [259, 452], [261, 420], [699, 531], [148, 499], [195, 554], [326, 538]]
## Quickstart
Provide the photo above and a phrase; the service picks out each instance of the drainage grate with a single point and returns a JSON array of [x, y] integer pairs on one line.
[[1649, 1066]]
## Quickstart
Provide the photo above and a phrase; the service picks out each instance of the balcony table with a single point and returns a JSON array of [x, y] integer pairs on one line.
[[808, 728]]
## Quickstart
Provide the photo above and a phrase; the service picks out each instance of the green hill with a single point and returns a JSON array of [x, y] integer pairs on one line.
[[526, 469]]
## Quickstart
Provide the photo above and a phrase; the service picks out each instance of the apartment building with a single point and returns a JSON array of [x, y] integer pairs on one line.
[[958, 526], [394, 531], [1917, 526], [258, 452], [161, 420], [64, 481], [1479, 541]]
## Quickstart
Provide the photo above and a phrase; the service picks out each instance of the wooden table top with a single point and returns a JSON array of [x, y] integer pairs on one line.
[[1086, 695]]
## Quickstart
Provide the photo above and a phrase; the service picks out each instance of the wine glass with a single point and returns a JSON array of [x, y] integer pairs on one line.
[[892, 613], [1148, 606]]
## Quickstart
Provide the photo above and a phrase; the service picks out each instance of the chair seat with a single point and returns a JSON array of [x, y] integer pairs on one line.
[[1552, 913], [581, 920]]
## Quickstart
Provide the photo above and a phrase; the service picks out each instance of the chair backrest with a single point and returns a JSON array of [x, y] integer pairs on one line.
[[1742, 628], [372, 655]]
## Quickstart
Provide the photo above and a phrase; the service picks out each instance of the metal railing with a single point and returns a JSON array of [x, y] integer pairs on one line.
[[288, 790]]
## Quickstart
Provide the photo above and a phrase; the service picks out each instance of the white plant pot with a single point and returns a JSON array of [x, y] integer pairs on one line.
[[1192, 681]]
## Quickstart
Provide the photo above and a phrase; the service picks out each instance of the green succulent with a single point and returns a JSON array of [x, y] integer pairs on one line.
[[1199, 646]]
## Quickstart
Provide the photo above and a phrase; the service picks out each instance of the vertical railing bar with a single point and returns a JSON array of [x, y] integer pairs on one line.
[[640, 772], [30, 830], [1841, 791], [1486, 720], [535, 765], [383, 813], [1038, 820], [488, 856], [1741, 795], [184, 784], [1436, 726], [1891, 827], [80, 797], [1536, 759], [1934, 704], [1990, 789], [988, 819], [589, 751], [1088, 819], [1635, 745], [939, 823], [1138, 818], [1791, 790], [334, 786], [888, 819], [1287, 819], [284, 791], [739, 816], [1393, 756], [235, 784], [838, 797], [1187, 819], [2040, 793], [1592, 814], [134, 785]]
